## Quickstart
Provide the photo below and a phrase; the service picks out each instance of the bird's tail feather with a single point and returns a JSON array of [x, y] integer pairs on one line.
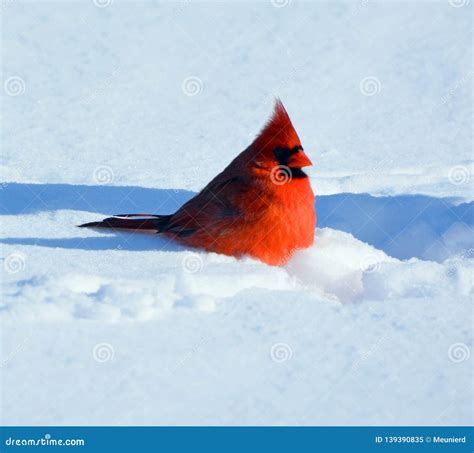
[[127, 222]]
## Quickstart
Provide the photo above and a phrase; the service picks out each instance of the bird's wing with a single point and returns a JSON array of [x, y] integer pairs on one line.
[[223, 201]]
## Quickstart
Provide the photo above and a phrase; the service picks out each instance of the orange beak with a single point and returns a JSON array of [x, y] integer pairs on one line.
[[299, 160]]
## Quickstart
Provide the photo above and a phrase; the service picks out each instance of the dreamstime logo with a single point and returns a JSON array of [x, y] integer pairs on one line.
[[288, 78], [14, 352], [455, 87], [378, 167], [192, 86], [103, 352], [369, 86], [192, 263], [458, 175], [451, 271], [14, 263], [459, 352], [369, 264], [101, 87], [181, 7], [468, 253], [281, 174], [102, 3], [368, 352], [103, 175], [288, 255], [280, 3], [458, 3], [361, 4], [280, 352], [4, 4], [190, 353], [14, 86]]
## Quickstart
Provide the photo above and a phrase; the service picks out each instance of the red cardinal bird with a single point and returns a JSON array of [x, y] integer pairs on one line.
[[261, 205]]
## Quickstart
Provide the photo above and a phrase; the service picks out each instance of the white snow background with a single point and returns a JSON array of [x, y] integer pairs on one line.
[[112, 106]]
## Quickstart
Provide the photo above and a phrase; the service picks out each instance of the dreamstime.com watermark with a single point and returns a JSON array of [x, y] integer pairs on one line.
[[46, 441]]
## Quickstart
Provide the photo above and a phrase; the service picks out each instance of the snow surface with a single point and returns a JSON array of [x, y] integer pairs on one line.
[[112, 107]]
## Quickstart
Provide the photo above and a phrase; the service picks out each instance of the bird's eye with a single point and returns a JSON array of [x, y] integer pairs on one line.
[[282, 154]]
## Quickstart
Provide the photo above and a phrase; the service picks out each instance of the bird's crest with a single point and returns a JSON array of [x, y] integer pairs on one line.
[[278, 132]]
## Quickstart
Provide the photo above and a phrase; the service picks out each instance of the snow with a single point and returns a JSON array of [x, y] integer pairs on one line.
[[135, 107]]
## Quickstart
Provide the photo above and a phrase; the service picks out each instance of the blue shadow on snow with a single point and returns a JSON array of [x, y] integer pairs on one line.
[[404, 226]]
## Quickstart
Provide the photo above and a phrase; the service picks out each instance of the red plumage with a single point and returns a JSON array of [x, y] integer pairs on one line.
[[261, 205]]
